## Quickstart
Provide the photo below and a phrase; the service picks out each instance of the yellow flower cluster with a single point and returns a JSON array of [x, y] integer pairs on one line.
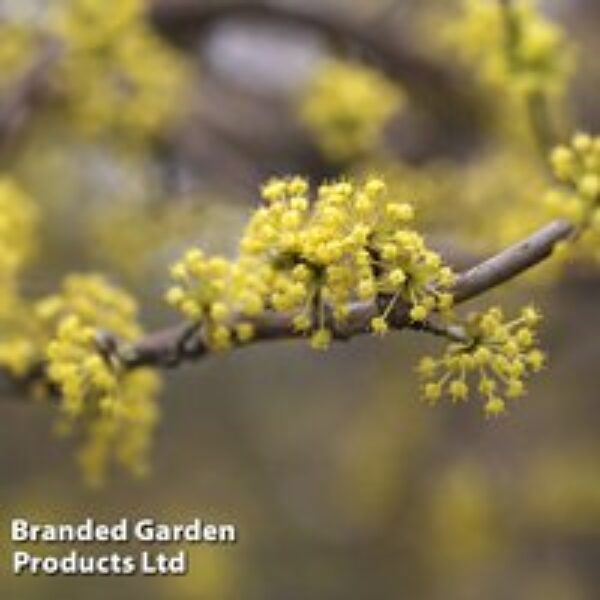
[[513, 46], [496, 355], [115, 407], [117, 75], [346, 107], [577, 166], [311, 256], [215, 290], [88, 297]]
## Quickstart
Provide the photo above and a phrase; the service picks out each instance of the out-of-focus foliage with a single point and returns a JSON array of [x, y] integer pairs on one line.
[[346, 107], [16, 52], [133, 250], [18, 220], [117, 75], [522, 60], [512, 46], [577, 167]]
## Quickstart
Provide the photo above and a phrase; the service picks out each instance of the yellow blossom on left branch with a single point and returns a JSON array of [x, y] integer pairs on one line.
[[113, 408]]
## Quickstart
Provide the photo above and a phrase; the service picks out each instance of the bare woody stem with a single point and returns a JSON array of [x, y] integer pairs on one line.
[[170, 347]]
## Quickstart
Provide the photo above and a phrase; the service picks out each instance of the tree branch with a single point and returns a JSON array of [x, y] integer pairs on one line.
[[172, 346]]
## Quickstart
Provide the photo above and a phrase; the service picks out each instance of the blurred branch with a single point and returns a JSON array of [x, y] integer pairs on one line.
[[170, 347], [537, 104], [19, 103]]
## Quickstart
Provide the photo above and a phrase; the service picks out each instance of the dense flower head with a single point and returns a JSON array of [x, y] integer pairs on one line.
[[313, 256], [495, 358], [215, 290], [577, 168], [346, 107], [115, 407], [514, 46], [117, 75]]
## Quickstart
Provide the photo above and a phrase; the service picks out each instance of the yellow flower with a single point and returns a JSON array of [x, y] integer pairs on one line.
[[115, 409], [314, 254], [495, 354]]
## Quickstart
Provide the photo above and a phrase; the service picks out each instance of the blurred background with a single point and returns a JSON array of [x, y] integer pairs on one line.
[[341, 482]]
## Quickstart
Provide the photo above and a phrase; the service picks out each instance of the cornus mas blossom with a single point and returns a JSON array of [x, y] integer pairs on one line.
[[495, 358], [313, 257], [215, 290], [114, 408]]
